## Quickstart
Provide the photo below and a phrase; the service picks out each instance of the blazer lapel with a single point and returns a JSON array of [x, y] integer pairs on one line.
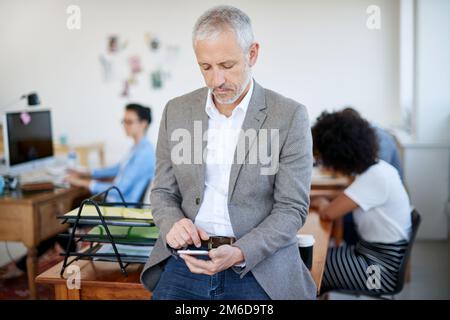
[[198, 128], [254, 119]]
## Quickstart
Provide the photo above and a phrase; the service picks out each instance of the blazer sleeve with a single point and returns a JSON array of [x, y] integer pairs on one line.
[[165, 195], [291, 196]]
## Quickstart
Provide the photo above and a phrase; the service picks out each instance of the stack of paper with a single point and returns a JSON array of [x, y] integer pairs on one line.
[[113, 212], [138, 253], [127, 234]]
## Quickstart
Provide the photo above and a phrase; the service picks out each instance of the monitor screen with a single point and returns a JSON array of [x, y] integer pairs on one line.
[[29, 136]]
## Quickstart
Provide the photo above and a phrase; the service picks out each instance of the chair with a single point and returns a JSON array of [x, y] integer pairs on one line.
[[146, 194], [415, 222]]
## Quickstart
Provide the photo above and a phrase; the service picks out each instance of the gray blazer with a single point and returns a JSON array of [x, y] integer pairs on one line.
[[266, 211]]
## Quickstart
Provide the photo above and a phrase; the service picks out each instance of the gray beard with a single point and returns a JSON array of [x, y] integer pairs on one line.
[[238, 94]]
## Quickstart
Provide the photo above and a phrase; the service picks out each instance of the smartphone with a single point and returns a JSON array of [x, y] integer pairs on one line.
[[194, 252]]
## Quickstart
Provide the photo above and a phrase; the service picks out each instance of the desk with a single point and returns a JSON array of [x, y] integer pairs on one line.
[[100, 280], [324, 181], [31, 218], [325, 185], [321, 230], [330, 194], [103, 280]]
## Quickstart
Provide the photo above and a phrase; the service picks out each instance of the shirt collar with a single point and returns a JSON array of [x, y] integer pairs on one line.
[[212, 111]]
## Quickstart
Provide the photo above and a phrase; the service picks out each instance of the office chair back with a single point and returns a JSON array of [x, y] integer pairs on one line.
[[415, 222], [145, 196]]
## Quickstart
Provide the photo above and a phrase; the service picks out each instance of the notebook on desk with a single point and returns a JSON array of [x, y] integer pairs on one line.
[[113, 212]]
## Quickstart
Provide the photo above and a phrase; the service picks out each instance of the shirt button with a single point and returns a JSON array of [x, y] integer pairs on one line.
[[197, 201]]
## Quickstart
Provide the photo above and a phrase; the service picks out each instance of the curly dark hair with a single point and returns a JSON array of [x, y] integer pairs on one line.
[[344, 142]]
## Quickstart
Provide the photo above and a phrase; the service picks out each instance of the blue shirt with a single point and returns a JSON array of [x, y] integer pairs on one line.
[[132, 176], [388, 149]]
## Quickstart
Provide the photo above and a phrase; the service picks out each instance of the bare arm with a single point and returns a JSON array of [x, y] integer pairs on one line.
[[335, 209]]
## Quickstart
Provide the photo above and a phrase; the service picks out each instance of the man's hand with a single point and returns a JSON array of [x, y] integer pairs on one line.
[[222, 258], [183, 233]]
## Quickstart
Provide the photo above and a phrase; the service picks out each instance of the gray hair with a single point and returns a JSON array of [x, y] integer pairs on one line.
[[217, 19]]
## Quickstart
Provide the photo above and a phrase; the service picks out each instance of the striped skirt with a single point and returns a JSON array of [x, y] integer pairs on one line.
[[365, 267]]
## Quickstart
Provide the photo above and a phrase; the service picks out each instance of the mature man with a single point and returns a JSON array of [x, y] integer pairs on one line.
[[246, 216]]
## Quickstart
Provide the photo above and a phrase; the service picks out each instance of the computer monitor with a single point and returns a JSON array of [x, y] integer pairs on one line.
[[28, 142]]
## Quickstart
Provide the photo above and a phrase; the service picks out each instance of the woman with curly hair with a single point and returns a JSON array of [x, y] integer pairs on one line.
[[346, 144]]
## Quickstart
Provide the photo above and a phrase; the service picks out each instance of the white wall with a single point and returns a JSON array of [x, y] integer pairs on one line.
[[407, 63], [427, 151], [433, 70], [317, 52], [427, 179]]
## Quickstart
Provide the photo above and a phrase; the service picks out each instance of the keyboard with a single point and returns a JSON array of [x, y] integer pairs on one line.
[[35, 176], [44, 175]]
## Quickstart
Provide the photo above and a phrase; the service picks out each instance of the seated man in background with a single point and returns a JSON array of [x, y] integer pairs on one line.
[[346, 144], [136, 170]]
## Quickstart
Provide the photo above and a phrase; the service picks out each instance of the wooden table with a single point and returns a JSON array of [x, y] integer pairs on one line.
[[321, 230], [330, 194], [31, 218], [325, 185], [103, 280], [321, 180], [100, 280]]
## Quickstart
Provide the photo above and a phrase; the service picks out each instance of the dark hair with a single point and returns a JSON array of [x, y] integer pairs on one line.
[[143, 113], [344, 142], [349, 109]]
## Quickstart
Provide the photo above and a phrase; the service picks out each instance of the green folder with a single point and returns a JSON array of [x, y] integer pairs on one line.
[[127, 234]]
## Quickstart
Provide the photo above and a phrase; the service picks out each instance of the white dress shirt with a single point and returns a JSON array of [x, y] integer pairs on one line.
[[223, 134]]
